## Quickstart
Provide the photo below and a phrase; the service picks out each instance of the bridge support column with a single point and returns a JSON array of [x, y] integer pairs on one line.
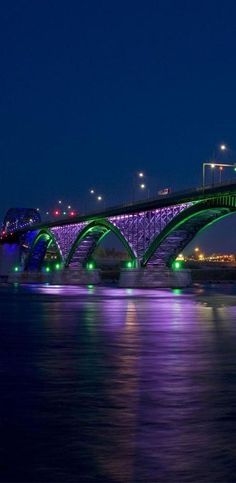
[[60, 277], [81, 276], [9, 258], [154, 278]]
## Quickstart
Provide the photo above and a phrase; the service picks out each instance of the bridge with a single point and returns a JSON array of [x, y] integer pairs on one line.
[[153, 232]]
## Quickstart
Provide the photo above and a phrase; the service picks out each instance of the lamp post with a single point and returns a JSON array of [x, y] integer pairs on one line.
[[221, 169], [221, 148], [213, 166]]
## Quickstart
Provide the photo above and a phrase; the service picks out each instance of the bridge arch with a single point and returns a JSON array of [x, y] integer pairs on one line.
[[42, 242], [184, 227], [89, 238]]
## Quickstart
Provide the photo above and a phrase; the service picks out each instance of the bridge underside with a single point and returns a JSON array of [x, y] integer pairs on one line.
[[179, 233], [85, 246], [43, 246]]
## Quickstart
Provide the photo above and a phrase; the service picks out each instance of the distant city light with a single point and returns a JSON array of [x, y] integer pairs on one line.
[[141, 174], [56, 212], [212, 165], [142, 186], [99, 198], [64, 212], [57, 266], [69, 207], [180, 257], [129, 264], [16, 269], [47, 269], [196, 249], [92, 192], [60, 202], [223, 147]]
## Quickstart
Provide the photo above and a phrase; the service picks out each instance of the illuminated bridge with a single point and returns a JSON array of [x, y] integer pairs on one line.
[[153, 232]]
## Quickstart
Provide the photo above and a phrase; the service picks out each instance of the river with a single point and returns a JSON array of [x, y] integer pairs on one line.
[[117, 385]]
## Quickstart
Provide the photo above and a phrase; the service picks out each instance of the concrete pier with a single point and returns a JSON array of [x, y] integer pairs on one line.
[[154, 278], [9, 258], [60, 277]]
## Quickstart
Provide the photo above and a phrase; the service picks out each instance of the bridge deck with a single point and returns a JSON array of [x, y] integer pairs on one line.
[[161, 201]]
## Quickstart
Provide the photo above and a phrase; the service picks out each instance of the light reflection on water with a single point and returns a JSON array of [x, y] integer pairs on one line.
[[108, 385]]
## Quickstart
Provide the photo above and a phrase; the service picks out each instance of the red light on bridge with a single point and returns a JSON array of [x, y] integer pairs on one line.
[[56, 213], [72, 213], [221, 168]]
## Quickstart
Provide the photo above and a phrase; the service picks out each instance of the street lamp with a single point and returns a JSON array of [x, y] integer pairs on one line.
[[221, 169], [222, 148], [221, 166]]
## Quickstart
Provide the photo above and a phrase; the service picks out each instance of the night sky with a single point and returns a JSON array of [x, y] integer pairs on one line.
[[92, 91]]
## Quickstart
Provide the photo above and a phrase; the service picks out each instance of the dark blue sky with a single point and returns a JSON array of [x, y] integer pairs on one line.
[[91, 91]]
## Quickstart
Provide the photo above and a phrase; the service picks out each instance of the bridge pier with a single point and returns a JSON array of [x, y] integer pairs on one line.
[[9, 258], [60, 277], [154, 278], [80, 276]]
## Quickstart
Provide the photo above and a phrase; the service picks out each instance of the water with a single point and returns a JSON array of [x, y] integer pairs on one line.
[[106, 385]]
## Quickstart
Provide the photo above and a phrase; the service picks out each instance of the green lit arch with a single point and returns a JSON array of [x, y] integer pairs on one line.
[[192, 221], [102, 228], [48, 237]]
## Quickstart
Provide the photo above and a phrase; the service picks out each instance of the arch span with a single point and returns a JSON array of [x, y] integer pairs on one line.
[[42, 242], [183, 228], [89, 238]]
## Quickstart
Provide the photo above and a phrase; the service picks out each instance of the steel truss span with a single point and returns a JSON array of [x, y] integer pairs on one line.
[[152, 233]]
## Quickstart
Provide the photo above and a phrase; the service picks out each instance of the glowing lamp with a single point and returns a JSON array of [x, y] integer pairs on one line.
[[47, 269], [176, 265], [16, 269], [90, 266]]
